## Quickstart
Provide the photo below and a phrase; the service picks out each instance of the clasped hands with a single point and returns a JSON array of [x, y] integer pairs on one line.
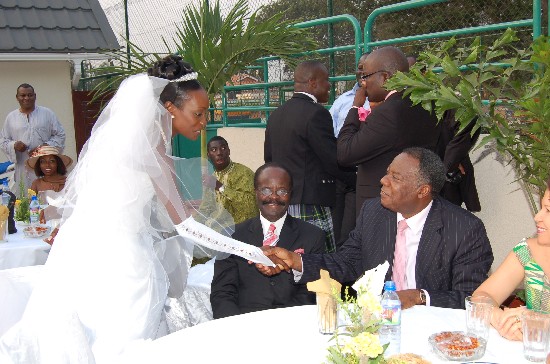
[[283, 259]]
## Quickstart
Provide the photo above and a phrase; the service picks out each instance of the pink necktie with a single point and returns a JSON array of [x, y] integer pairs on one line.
[[270, 238], [400, 256]]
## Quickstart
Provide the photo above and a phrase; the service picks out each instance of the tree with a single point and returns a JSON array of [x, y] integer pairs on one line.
[[473, 81]]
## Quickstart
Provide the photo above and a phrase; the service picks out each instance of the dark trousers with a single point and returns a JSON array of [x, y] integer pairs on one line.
[[343, 213]]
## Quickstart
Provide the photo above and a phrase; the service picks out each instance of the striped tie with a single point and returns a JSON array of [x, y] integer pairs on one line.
[[271, 238], [400, 256]]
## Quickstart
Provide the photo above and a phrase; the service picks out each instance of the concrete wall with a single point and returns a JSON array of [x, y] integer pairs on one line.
[[505, 210], [52, 83]]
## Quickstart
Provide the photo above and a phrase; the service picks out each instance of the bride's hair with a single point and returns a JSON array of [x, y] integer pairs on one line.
[[171, 68]]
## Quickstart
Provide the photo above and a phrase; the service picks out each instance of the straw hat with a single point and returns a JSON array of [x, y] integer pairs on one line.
[[47, 150]]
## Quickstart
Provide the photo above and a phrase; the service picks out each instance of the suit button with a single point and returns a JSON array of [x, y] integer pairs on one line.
[[272, 283]]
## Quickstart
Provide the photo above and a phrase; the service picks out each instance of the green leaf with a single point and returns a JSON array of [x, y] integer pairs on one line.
[[450, 67]]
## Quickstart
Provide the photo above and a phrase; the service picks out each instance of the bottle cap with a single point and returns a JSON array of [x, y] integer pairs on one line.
[[389, 286], [33, 198]]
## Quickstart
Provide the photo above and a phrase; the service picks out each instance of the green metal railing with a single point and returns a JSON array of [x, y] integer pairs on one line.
[[534, 22], [366, 43], [266, 85]]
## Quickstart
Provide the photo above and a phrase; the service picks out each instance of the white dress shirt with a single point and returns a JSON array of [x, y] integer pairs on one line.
[[413, 235], [278, 225], [310, 95]]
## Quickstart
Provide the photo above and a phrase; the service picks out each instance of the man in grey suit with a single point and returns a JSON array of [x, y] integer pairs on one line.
[[448, 254]]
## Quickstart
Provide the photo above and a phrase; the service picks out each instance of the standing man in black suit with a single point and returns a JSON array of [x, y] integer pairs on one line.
[[300, 137], [453, 148], [444, 254], [392, 126], [237, 287]]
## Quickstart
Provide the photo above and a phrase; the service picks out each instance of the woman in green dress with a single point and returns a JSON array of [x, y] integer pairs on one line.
[[528, 262]]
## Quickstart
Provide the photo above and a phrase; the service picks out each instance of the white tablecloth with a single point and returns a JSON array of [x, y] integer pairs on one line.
[[16, 286], [20, 251], [290, 335]]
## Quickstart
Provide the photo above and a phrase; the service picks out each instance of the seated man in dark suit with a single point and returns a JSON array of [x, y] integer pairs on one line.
[[237, 287], [439, 255]]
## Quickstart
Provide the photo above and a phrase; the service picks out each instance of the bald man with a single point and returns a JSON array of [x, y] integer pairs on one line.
[[392, 126], [299, 136]]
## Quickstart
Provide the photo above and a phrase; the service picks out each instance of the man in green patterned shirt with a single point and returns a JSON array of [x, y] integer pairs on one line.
[[230, 198]]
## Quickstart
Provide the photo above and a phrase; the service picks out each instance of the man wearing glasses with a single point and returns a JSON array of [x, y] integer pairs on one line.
[[371, 140], [238, 287]]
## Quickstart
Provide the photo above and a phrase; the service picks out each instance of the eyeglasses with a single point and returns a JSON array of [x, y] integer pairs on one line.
[[364, 77], [266, 191]]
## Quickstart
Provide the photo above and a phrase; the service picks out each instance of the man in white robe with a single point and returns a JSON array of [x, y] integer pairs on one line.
[[27, 128]]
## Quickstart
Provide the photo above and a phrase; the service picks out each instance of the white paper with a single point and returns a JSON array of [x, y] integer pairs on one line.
[[373, 279], [204, 236]]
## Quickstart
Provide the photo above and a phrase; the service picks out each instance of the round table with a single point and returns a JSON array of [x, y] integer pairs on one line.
[[290, 335], [20, 251]]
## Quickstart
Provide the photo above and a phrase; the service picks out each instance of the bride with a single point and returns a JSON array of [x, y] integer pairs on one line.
[[115, 259]]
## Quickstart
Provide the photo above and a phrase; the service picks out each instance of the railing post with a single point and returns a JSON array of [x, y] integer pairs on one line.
[[537, 18]]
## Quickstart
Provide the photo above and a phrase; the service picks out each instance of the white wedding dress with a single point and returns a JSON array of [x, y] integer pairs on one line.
[[111, 267]]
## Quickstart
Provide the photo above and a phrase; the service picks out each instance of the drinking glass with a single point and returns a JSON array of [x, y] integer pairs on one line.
[[536, 333], [42, 199], [326, 313], [478, 315]]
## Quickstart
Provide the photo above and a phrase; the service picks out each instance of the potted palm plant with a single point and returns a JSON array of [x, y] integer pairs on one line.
[[506, 87]]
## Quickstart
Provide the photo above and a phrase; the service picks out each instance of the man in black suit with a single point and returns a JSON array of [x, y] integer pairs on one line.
[[392, 126], [237, 287], [300, 137], [448, 254], [453, 147]]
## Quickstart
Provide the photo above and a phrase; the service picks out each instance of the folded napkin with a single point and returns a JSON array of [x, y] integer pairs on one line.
[[372, 280]]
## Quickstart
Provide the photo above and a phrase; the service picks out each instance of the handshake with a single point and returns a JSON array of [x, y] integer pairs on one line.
[[283, 259]]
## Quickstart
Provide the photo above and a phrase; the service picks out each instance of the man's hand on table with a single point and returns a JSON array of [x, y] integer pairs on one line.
[[409, 298]]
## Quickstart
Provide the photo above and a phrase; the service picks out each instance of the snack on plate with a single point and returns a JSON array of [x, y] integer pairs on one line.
[[456, 345], [36, 231], [407, 358]]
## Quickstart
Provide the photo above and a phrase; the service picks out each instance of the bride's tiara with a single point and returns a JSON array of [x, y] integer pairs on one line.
[[187, 77]]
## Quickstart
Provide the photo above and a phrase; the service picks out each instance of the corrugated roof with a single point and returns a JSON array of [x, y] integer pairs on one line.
[[54, 26]]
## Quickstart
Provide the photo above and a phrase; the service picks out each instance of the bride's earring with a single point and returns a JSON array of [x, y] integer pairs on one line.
[[172, 115]]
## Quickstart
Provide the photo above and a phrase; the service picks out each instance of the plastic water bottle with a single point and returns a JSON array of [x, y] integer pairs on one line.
[[34, 211], [5, 196], [390, 331]]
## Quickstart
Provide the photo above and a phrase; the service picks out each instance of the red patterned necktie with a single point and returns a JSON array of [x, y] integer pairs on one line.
[[400, 256], [271, 238]]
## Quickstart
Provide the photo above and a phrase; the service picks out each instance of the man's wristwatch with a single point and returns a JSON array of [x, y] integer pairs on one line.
[[422, 297]]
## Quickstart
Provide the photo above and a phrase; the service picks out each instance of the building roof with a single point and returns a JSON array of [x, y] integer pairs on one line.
[[54, 26]]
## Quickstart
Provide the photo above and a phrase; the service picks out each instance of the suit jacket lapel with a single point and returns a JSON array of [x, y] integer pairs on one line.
[[389, 236], [430, 242], [289, 235], [255, 232]]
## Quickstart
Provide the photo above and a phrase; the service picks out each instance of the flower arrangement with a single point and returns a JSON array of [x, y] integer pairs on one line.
[[358, 341], [22, 203]]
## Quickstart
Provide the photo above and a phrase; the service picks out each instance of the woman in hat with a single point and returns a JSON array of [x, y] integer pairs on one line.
[[50, 167]]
